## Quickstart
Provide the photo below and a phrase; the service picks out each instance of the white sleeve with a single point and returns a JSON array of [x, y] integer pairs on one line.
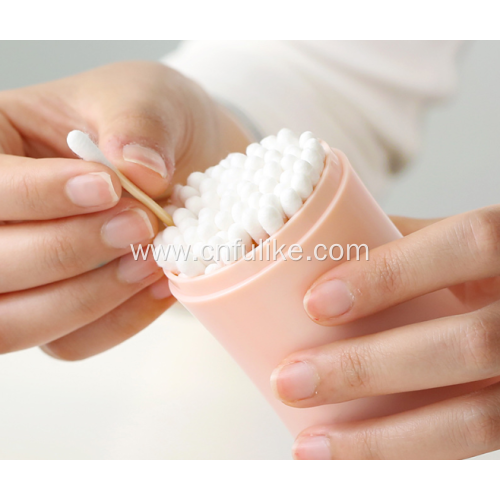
[[365, 98]]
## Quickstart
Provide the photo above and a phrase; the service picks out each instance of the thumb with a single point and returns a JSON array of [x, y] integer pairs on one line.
[[408, 225]]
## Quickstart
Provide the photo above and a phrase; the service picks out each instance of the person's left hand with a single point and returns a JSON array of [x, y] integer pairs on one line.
[[461, 253]]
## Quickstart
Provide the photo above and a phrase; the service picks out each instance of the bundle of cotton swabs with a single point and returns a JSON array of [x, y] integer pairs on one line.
[[230, 208]]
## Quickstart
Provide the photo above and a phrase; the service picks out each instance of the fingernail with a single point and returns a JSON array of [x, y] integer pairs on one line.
[[295, 381], [146, 157], [161, 289], [127, 228], [328, 299], [91, 190], [312, 448], [133, 271]]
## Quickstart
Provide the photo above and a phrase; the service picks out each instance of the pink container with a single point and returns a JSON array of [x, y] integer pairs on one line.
[[255, 308]]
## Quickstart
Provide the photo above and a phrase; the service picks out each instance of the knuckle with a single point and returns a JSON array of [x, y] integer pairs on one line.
[[389, 271], [484, 232], [29, 193], [352, 367], [480, 344], [481, 425]]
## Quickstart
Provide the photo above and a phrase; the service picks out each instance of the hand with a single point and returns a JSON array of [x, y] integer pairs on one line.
[[461, 253], [68, 281]]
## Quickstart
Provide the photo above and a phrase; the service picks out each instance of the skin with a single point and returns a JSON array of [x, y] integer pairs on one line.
[[63, 285], [460, 253]]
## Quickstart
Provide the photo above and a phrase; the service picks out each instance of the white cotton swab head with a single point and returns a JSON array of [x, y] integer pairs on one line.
[[82, 145]]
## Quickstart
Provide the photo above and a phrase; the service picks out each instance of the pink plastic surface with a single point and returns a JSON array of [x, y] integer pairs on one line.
[[255, 308]]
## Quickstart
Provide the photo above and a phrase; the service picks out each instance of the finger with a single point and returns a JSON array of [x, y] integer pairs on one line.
[[34, 254], [408, 225], [449, 252], [457, 428], [38, 316], [115, 327], [54, 188], [140, 129], [438, 353]]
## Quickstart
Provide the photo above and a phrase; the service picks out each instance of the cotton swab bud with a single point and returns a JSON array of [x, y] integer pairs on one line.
[[273, 169], [207, 185], [292, 151], [202, 252], [253, 199], [237, 159], [215, 172], [314, 158], [186, 192], [290, 201], [170, 234], [251, 224], [270, 220], [286, 137], [227, 201], [288, 161], [279, 189], [271, 200], [270, 142], [259, 175], [223, 236], [195, 179], [237, 211], [190, 267], [206, 215], [183, 225], [211, 199], [237, 232], [166, 258], [245, 189], [206, 231], [223, 220], [302, 167], [248, 175], [170, 209], [253, 148], [267, 185], [212, 268], [182, 213], [302, 185], [272, 155], [190, 235], [195, 204], [313, 143], [254, 163], [286, 177], [304, 138]]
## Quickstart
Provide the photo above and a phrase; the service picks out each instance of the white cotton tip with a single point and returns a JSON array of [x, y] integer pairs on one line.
[[313, 143], [175, 197], [225, 164], [254, 163], [159, 240], [286, 137], [207, 185], [315, 177], [279, 189], [267, 185], [166, 258], [195, 204], [288, 161], [182, 213], [259, 151], [248, 175], [223, 220], [237, 211], [206, 214], [253, 199], [223, 236], [184, 224], [251, 224], [259, 175], [222, 189], [179, 241], [190, 235], [190, 266], [212, 268], [206, 231], [270, 142], [237, 232], [215, 172], [272, 155], [170, 209], [270, 219], [273, 169], [202, 252], [292, 151], [186, 192], [227, 201], [271, 200], [290, 201], [211, 199], [314, 158], [195, 179], [169, 234], [236, 160], [244, 189], [302, 185], [286, 177], [304, 137], [302, 167], [253, 148]]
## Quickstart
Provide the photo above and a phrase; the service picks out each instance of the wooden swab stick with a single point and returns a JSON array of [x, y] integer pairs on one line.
[[82, 145]]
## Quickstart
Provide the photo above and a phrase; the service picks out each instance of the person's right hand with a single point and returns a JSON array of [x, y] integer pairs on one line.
[[68, 281]]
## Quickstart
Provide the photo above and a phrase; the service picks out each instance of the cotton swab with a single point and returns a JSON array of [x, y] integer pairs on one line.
[[82, 145]]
